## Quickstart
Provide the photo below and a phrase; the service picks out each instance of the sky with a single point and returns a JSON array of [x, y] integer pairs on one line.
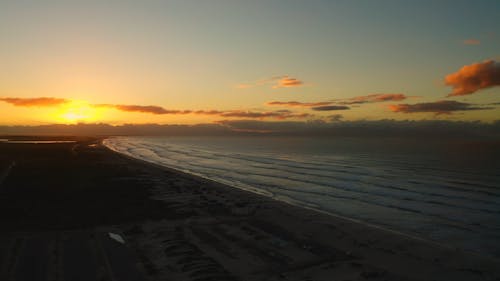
[[215, 61]]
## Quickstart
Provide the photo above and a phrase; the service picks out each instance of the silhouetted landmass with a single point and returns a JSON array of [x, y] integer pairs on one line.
[[381, 128]]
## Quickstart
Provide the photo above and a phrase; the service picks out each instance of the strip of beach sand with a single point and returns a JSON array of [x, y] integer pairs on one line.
[[74, 209]]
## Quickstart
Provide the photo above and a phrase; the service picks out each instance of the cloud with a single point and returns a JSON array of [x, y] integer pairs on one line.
[[153, 109], [471, 42], [150, 109], [276, 82], [158, 110], [288, 82], [330, 107], [297, 104], [474, 77], [43, 101], [208, 112], [374, 98], [280, 114], [439, 107]]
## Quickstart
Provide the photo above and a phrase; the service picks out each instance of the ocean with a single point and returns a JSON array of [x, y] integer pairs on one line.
[[441, 190]]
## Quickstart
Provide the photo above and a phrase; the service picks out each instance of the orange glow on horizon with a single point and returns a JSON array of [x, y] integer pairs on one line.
[[77, 111]]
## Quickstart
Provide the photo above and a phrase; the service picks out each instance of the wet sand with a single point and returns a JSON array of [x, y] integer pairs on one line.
[[60, 201]]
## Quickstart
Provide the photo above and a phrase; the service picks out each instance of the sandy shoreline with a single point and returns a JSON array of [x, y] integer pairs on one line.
[[182, 227], [289, 203]]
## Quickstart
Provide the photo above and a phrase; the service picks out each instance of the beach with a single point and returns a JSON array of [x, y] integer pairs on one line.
[[64, 205]]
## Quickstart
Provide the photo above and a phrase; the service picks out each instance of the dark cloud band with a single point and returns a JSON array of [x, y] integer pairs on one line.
[[43, 101], [439, 107], [330, 108]]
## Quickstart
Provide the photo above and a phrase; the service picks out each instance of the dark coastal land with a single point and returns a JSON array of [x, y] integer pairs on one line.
[[65, 208]]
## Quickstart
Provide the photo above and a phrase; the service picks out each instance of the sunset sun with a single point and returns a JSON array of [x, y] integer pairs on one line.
[[77, 111]]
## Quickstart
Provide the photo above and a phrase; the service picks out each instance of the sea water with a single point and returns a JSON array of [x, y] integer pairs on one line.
[[446, 191]]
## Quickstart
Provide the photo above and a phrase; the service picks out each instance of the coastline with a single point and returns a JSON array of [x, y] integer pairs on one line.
[[184, 227], [390, 229], [333, 219], [212, 182]]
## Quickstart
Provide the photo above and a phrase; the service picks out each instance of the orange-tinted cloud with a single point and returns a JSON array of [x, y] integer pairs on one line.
[[472, 42], [276, 82], [330, 107], [297, 104], [158, 110], [150, 109], [288, 82], [208, 112], [43, 101], [153, 109], [438, 107], [374, 98], [474, 77]]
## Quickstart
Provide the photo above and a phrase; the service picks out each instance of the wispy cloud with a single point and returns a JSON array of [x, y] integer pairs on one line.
[[298, 104], [153, 109], [330, 107], [474, 77], [438, 107], [373, 98], [471, 42], [208, 112], [280, 114], [288, 82], [158, 110], [276, 82], [42, 101]]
